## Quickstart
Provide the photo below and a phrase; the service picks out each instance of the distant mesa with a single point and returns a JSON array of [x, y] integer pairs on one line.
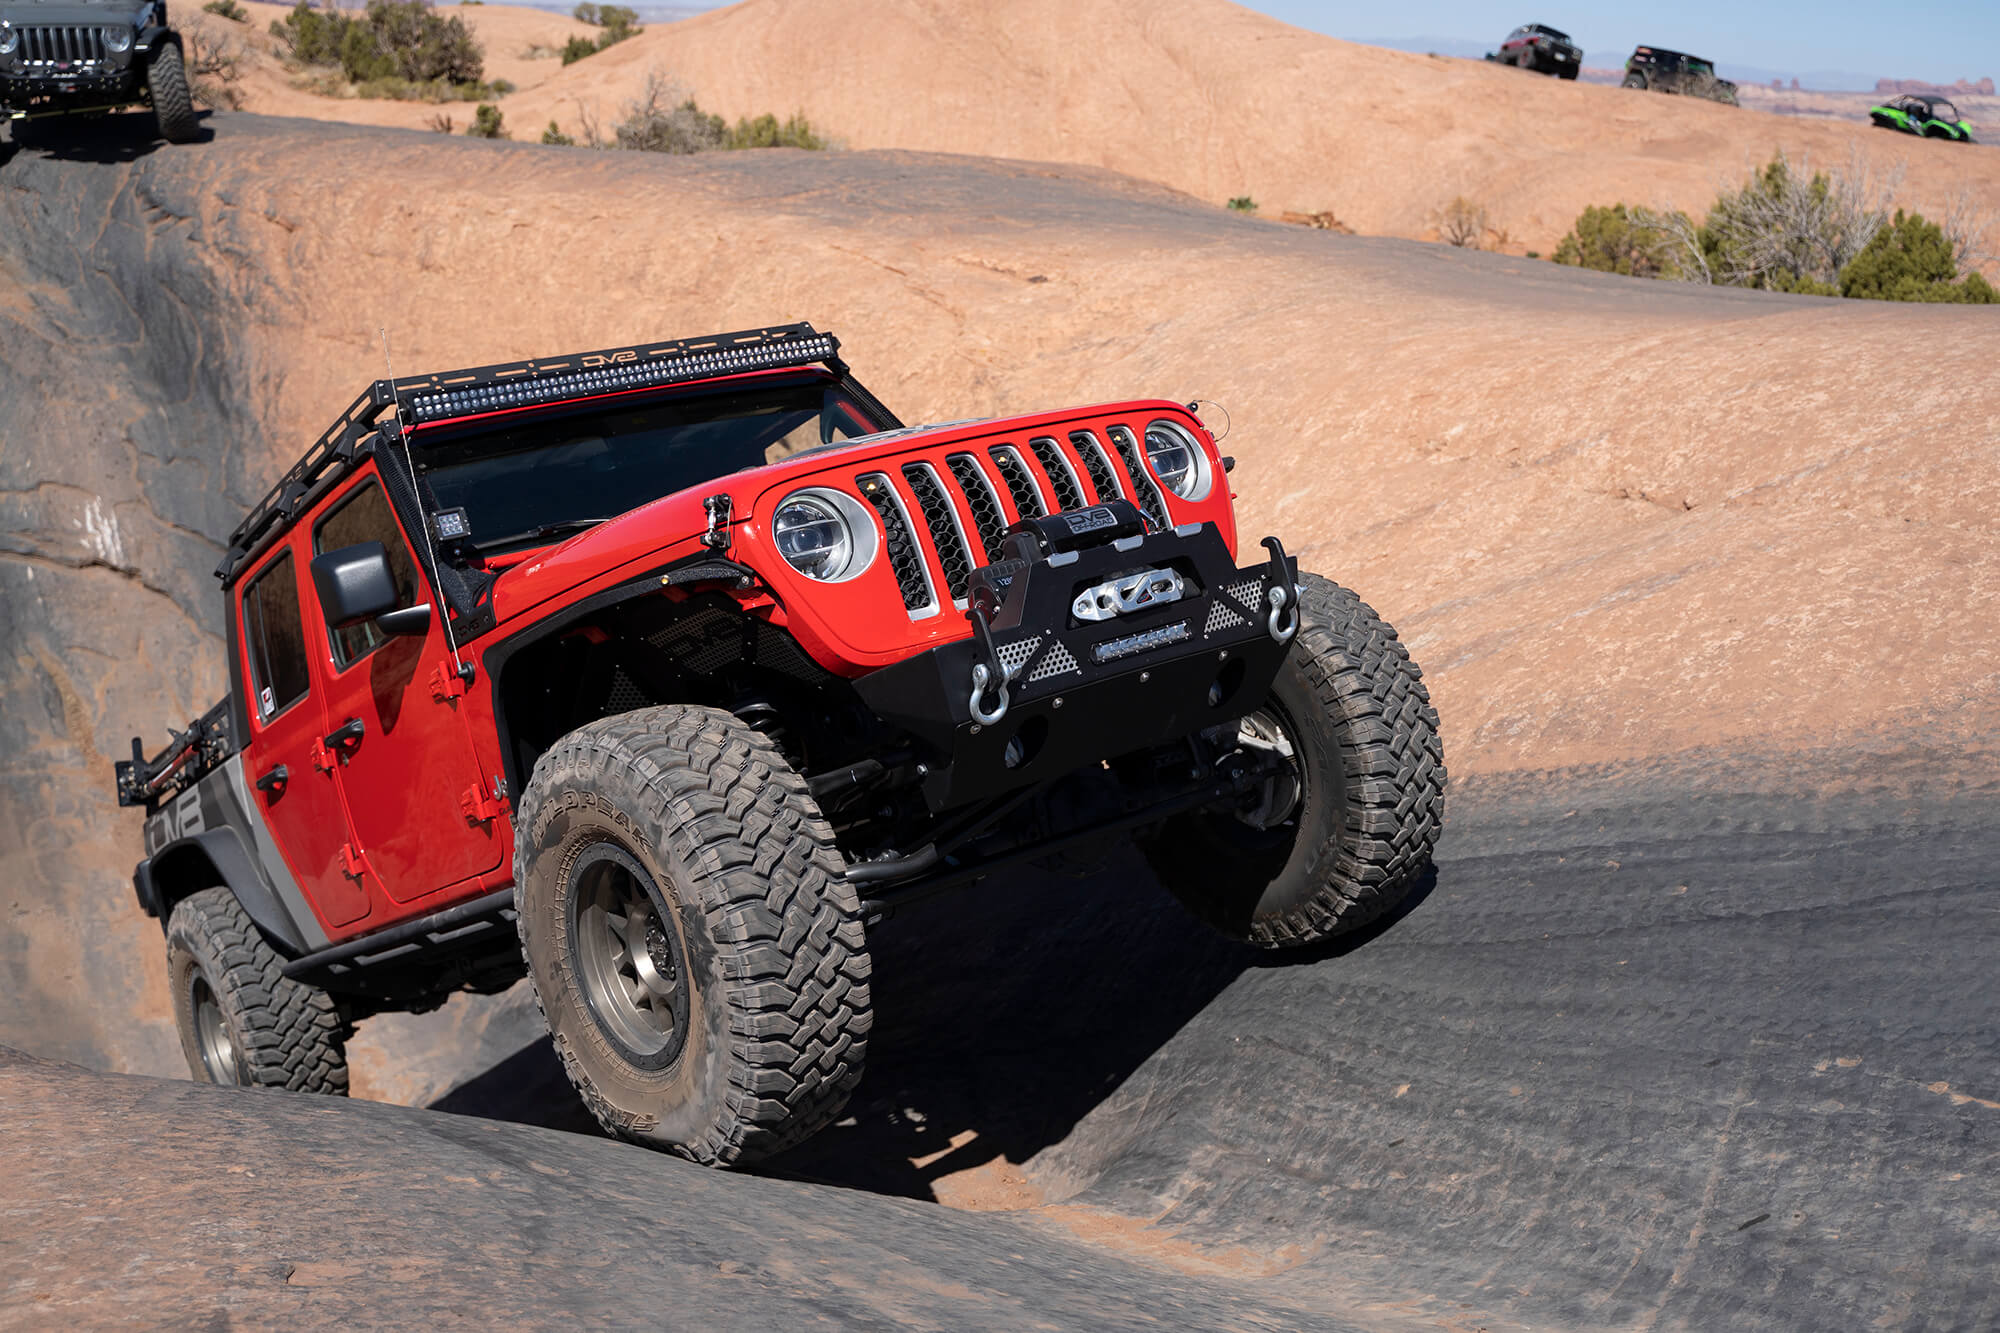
[[1917, 87]]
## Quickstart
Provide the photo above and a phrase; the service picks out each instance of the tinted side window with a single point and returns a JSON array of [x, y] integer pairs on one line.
[[274, 636], [364, 517]]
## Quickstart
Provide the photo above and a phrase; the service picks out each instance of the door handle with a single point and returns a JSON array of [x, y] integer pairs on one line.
[[273, 782], [347, 735]]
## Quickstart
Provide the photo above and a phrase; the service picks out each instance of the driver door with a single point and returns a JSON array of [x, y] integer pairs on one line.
[[408, 774]]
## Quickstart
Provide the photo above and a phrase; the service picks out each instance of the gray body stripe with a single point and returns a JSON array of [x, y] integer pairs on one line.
[[230, 791]]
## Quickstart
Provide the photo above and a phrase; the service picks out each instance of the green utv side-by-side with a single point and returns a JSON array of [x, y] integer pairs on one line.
[[1929, 117], [70, 59]]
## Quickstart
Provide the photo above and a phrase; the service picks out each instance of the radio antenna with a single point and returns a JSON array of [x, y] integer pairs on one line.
[[459, 667]]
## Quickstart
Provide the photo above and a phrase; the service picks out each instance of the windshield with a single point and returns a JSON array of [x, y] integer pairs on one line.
[[1944, 111], [527, 482]]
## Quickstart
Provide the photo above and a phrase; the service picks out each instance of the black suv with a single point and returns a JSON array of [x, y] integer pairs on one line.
[[89, 58], [1666, 71], [1541, 49]]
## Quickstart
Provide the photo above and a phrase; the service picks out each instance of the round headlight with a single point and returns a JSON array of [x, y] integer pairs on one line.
[[10, 40], [1177, 460], [824, 534], [118, 40]]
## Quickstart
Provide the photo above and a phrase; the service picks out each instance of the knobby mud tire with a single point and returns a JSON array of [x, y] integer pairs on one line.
[[775, 1026], [284, 1033], [173, 103], [1366, 738]]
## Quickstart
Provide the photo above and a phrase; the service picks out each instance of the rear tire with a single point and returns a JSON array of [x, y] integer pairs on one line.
[[173, 104], [1635, 80], [242, 1021], [690, 934], [1369, 801]]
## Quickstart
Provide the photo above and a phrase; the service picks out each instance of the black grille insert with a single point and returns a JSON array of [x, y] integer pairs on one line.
[[1020, 482], [1069, 494], [904, 557], [1150, 498], [987, 516], [952, 554], [1099, 466]]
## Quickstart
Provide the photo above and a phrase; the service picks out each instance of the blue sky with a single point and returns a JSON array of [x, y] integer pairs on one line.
[[1898, 39]]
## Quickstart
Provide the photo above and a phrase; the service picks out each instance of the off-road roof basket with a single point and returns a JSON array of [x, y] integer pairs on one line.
[[422, 399]]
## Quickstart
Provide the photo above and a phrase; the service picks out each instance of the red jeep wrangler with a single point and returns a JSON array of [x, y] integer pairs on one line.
[[657, 674]]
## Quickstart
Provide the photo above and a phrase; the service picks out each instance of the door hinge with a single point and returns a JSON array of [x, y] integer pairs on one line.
[[446, 684], [352, 863], [322, 758], [479, 807]]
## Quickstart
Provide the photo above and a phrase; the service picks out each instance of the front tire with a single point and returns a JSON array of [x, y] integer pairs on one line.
[[173, 104], [690, 934], [242, 1021], [1353, 833]]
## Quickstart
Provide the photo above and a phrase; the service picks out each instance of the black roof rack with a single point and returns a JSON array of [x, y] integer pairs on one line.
[[426, 398]]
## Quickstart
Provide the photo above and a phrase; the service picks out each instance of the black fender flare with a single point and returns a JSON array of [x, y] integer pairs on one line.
[[230, 862], [152, 37]]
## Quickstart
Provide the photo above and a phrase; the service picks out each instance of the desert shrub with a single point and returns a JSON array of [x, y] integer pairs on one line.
[[766, 132], [486, 123], [1788, 230], [213, 55], [1912, 260], [665, 119], [617, 21], [1794, 230], [1462, 223], [1619, 240], [227, 9], [392, 39], [1243, 203], [441, 122], [554, 135]]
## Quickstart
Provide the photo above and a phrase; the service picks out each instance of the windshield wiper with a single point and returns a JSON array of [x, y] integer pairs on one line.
[[536, 534]]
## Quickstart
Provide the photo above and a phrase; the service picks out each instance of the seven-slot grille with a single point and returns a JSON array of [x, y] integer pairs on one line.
[[926, 510], [62, 45]]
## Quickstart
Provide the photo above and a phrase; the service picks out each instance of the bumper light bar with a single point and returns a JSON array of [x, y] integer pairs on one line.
[[1113, 649]]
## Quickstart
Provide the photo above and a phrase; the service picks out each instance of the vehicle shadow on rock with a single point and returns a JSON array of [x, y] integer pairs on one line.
[[1003, 1016], [104, 140]]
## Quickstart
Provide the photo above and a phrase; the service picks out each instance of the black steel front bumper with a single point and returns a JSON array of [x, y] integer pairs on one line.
[[1080, 691], [38, 95]]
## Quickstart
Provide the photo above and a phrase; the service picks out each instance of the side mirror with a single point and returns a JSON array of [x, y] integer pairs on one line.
[[354, 584]]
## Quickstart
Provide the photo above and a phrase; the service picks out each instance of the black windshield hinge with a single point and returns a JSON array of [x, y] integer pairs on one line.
[[717, 536]]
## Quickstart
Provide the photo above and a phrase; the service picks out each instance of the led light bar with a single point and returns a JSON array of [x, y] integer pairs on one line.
[[1113, 649], [535, 389]]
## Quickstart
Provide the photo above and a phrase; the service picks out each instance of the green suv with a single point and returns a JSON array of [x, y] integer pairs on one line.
[[1931, 117]]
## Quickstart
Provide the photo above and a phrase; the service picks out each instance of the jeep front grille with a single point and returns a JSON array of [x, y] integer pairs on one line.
[[64, 45], [921, 516]]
